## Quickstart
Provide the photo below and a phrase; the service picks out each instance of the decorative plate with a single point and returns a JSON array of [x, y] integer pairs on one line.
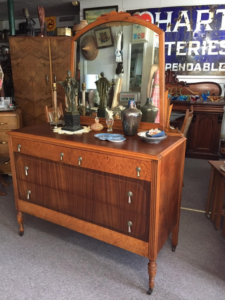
[[151, 140], [105, 136], [116, 139]]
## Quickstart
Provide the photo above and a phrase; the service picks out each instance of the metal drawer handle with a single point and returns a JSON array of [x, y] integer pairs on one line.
[[138, 169], [19, 146], [26, 169], [79, 160], [129, 224], [3, 142], [61, 156], [3, 123], [28, 195], [46, 79], [129, 194]]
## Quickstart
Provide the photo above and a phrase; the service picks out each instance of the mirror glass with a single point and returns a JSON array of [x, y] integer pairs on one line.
[[121, 52]]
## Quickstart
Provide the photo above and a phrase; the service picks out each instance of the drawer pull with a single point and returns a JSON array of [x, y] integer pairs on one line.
[[3, 142], [19, 147], [61, 156], [138, 169], [3, 123], [79, 160], [129, 224], [129, 194], [26, 169], [28, 195]]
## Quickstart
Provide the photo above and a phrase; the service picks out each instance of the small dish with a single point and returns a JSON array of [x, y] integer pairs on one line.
[[151, 140], [116, 139], [105, 136], [160, 133]]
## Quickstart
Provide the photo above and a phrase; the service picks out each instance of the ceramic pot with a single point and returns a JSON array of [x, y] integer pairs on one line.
[[131, 117], [149, 111]]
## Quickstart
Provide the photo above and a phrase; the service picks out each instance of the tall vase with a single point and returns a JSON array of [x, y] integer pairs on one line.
[[149, 111], [131, 117]]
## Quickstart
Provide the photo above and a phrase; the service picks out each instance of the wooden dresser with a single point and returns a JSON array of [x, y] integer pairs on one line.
[[8, 121], [126, 194]]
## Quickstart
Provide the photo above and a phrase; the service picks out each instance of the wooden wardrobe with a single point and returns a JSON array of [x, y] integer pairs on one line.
[[36, 63]]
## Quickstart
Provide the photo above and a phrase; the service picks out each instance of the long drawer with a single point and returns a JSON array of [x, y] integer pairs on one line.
[[8, 122], [85, 159], [123, 192], [121, 220]]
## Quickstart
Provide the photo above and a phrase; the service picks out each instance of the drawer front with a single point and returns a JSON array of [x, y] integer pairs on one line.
[[130, 194], [57, 200], [91, 160], [4, 149], [8, 122], [5, 168], [99, 213]]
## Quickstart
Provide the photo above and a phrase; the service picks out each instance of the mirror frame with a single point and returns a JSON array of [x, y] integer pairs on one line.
[[125, 17]]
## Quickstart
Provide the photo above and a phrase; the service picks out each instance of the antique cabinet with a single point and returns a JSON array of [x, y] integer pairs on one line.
[[36, 63], [204, 132], [9, 120], [126, 194]]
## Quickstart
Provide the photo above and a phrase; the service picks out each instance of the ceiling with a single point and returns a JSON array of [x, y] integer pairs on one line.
[[52, 8]]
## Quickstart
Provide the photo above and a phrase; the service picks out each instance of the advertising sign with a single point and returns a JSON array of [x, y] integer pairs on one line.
[[194, 37]]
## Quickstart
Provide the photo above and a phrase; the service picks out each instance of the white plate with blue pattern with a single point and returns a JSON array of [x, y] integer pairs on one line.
[[106, 136]]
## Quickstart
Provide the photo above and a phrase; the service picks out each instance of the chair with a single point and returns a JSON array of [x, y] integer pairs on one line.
[[4, 160], [187, 121], [49, 113]]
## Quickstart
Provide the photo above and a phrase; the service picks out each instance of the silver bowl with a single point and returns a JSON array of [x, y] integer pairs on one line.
[[151, 140]]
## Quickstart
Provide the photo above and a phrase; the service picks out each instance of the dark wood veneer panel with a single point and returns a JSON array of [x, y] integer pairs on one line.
[[85, 183], [93, 211]]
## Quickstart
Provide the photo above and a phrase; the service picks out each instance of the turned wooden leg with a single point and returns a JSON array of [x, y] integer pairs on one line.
[[152, 268], [20, 221]]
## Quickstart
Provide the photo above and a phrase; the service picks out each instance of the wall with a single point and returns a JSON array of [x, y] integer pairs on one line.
[[128, 4], [5, 24]]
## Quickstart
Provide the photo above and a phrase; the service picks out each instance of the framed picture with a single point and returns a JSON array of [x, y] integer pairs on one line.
[[104, 37], [140, 33], [91, 14]]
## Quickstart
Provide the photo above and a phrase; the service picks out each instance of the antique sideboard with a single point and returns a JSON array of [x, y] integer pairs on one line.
[[126, 194], [204, 132]]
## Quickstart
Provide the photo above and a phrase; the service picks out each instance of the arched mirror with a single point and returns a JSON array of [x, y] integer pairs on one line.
[[129, 53]]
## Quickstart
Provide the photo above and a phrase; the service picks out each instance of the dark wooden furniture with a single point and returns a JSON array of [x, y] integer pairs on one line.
[[36, 63], [174, 86], [126, 194], [9, 120], [216, 193], [205, 128]]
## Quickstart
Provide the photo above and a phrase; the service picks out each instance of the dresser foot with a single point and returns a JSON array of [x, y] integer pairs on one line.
[[20, 221], [149, 291], [174, 248], [152, 268]]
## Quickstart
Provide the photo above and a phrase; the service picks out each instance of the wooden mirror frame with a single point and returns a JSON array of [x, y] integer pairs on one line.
[[125, 17]]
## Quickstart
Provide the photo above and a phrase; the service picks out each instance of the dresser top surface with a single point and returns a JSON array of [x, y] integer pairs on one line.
[[132, 145]]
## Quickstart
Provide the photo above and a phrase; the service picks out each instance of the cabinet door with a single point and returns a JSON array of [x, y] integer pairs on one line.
[[205, 134], [31, 76], [60, 62]]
